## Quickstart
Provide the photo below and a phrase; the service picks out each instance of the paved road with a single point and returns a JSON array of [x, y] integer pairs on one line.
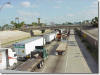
[[72, 62], [89, 59], [75, 60]]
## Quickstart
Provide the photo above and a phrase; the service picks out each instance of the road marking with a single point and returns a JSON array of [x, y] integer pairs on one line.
[[45, 66], [66, 63]]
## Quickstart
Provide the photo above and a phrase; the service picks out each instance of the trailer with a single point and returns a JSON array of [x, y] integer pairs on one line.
[[58, 37], [61, 48], [64, 36], [49, 37], [7, 58], [24, 48], [62, 30], [37, 59]]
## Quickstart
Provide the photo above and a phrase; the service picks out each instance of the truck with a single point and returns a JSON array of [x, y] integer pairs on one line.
[[61, 48], [49, 37], [7, 58], [37, 59], [58, 37], [23, 49], [64, 36]]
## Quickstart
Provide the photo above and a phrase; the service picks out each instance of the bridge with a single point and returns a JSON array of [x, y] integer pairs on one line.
[[49, 27]]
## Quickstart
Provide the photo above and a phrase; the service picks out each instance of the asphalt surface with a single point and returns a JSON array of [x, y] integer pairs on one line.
[[76, 59], [89, 59]]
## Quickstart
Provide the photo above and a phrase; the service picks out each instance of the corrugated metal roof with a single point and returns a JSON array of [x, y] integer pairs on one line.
[[28, 40]]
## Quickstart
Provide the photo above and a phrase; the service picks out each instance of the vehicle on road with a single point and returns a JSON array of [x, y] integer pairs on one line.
[[37, 60], [50, 37], [61, 48], [24, 48], [58, 37]]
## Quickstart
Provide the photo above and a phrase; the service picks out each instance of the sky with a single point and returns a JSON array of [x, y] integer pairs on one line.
[[50, 11]]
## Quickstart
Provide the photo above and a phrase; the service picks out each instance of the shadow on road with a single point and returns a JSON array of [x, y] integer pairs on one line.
[[89, 59], [53, 50]]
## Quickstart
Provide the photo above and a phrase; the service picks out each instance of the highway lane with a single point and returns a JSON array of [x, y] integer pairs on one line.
[[89, 59], [72, 62], [76, 62], [54, 64]]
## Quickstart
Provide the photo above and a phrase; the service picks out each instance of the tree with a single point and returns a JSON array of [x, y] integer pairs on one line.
[[34, 24], [69, 23], [14, 24], [94, 22], [43, 30], [22, 23], [0, 28], [6, 27], [42, 24], [17, 25]]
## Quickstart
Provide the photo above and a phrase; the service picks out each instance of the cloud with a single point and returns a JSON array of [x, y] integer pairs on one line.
[[86, 14], [59, 1], [57, 7], [26, 4], [6, 6], [70, 15], [94, 4], [27, 14], [34, 6]]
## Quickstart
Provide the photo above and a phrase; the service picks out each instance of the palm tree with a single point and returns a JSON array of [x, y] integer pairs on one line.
[[21, 24]]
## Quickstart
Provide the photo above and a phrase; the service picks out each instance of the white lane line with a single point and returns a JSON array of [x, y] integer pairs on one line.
[[66, 59], [66, 63]]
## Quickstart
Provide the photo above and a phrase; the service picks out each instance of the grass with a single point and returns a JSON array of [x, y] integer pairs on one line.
[[10, 42], [3, 44]]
